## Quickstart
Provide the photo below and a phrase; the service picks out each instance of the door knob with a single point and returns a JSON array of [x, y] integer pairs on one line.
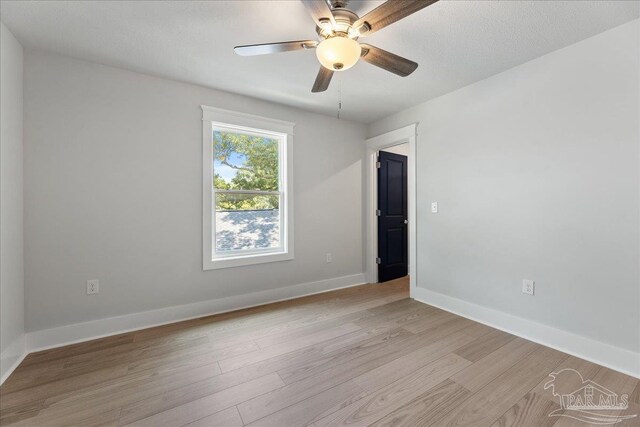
[[406, 221]]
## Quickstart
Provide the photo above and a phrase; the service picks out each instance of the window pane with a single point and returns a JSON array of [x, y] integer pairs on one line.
[[246, 222], [244, 162]]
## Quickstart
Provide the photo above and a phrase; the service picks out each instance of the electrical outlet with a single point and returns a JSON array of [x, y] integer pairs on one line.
[[329, 258], [434, 207], [528, 286], [93, 286]]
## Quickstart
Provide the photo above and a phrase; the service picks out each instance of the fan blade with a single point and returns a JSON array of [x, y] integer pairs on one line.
[[387, 60], [322, 80], [263, 49], [388, 13], [320, 11]]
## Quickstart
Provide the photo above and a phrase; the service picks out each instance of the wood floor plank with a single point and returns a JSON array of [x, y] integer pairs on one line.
[[567, 382], [174, 397], [73, 349], [139, 359], [174, 363], [531, 410], [427, 409], [438, 318], [366, 355], [484, 345], [447, 327], [311, 328], [382, 401], [74, 406], [277, 317], [398, 316], [318, 365], [20, 412], [203, 407], [300, 323], [485, 407], [104, 357], [312, 408], [325, 379], [61, 386], [353, 341], [374, 319], [104, 419], [477, 330], [633, 412], [283, 348], [635, 395], [411, 362], [489, 367], [226, 418], [618, 383], [139, 351]]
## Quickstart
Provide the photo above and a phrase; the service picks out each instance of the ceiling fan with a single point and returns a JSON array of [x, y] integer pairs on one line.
[[339, 29]]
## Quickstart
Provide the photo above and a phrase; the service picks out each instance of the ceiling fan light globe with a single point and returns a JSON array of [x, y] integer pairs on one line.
[[338, 53]]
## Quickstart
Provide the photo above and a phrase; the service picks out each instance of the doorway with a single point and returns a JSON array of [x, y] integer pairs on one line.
[[392, 213], [403, 139]]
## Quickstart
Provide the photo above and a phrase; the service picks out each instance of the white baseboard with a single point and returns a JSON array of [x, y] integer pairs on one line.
[[613, 357], [79, 332], [12, 356]]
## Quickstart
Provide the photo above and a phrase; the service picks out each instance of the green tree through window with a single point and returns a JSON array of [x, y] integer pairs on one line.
[[250, 163]]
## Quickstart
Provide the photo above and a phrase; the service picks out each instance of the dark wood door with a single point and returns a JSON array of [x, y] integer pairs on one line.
[[393, 244]]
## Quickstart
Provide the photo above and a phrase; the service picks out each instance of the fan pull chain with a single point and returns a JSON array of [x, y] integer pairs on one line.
[[339, 96]]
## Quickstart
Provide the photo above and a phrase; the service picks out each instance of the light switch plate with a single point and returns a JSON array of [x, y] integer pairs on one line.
[[434, 207]]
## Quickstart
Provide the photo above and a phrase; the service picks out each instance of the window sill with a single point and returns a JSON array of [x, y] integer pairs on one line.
[[239, 261]]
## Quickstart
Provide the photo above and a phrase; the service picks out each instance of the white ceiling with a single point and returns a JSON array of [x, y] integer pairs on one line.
[[455, 42]]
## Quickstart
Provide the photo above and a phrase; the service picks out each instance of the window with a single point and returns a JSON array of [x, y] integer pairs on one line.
[[247, 214]]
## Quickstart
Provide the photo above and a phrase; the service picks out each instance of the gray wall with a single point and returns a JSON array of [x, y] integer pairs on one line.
[[536, 171], [11, 235], [113, 192]]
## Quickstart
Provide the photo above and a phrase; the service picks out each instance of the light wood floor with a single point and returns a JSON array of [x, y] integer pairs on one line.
[[361, 356]]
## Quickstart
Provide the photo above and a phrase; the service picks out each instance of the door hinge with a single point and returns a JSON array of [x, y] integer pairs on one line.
[[378, 213], [378, 165], [378, 260]]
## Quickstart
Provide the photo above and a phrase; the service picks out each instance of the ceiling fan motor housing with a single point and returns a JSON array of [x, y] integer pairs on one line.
[[344, 19], [336, 4]]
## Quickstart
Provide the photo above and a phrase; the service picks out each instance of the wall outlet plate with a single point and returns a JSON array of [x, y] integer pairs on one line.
[[434, 207], [93, 286], [528, 286], [329, 258]]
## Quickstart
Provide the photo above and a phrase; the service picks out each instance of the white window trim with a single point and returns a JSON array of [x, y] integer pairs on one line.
[[211, 115]]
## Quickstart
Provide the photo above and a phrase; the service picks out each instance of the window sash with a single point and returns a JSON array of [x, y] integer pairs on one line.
[[281, 138], [232, 253]]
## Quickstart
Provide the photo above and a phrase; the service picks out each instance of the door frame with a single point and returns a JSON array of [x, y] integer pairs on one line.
[[404, 135]]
